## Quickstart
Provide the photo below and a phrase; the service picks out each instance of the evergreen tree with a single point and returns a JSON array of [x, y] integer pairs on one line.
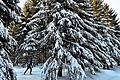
[[97, 6], [73, 38], [114, 18], [30, 8], [8, 12], [102, 13]]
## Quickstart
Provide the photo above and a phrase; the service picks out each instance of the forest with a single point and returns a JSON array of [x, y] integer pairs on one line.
[[76, 36]]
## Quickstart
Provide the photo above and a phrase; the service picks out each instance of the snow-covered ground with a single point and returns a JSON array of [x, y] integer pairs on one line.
[[20, 74], [113, 74]]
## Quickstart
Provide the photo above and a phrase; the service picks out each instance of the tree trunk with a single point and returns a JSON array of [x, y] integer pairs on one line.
[[60, 71]]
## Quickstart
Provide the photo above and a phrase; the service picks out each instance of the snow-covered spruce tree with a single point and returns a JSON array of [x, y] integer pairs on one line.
[[97, 8], [103, 14], [73, 38], [114, 18], [23, 38], [20, 31], [110, 17], [30, 8], [8, 10], [29, 45]]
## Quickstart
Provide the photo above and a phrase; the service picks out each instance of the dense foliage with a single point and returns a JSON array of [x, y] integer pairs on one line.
[[78, 35], [74, 35], [8, 13]]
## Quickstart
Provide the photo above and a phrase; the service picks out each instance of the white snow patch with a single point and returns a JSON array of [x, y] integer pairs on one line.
[[20, 73], [113, 74]]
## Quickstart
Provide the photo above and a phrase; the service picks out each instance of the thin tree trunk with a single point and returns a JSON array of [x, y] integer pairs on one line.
[[60, 71]]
